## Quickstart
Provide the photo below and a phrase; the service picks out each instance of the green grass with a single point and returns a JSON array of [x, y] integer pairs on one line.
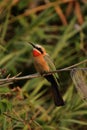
[[32, 106]]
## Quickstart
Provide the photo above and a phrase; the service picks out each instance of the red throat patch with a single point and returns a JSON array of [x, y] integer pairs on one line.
[[36, 53]]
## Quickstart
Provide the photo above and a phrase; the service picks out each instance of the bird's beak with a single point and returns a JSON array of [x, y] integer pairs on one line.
[[32, 44]]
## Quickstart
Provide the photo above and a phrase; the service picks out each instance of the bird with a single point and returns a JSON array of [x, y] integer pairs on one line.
[[44, 64]]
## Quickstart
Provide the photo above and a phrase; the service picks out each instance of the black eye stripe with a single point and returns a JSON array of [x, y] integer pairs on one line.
[[40, 50]]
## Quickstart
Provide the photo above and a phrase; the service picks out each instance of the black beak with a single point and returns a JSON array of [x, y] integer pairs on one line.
[[32, 44]]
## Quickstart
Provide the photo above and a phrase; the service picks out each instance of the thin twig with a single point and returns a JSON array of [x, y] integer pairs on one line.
[[8, 80], [5, 83], [75, 65]]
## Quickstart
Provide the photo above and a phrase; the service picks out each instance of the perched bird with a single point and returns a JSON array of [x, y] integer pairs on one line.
[[44, 64]]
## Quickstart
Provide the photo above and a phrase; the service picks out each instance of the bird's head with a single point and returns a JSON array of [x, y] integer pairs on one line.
[[37, 49]]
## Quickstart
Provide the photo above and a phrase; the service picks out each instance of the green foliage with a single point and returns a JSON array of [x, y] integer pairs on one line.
[[31, 107]]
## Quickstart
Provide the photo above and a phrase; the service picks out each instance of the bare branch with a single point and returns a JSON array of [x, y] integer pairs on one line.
[[15, 78]]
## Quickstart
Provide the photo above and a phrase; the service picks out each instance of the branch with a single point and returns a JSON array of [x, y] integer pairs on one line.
[[16, 78]]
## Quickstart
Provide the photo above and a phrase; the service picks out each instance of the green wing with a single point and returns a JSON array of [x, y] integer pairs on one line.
[[51, 65], [53, 78]]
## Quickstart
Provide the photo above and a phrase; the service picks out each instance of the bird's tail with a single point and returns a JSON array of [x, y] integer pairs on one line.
[[55, 91]]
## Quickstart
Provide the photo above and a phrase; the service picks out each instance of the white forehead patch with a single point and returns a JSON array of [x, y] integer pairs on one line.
[[38, 46]]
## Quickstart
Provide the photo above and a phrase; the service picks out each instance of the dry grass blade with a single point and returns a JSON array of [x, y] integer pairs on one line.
[[61, 15], [78, 13], [79, 79], [39, 8], [13, 117], [43, 7], [69, 8]]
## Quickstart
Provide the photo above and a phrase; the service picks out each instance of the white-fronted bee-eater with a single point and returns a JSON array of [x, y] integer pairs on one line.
[[44, 64]]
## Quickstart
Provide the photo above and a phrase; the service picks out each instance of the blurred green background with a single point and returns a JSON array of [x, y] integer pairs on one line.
[[61, 27]]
